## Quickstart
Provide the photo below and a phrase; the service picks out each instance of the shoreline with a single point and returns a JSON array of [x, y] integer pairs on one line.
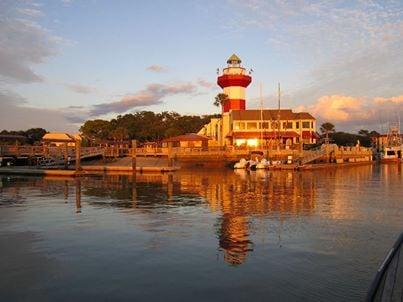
[[127, 170]]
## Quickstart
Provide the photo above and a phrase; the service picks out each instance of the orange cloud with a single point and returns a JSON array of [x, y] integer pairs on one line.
[[354, 111], [393, 100]]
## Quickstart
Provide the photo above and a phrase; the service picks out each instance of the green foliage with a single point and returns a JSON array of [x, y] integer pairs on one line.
[[327, 128], [33, 135], [363, 132], [144, 126], [349, 139], [220, 99], [96, 129]]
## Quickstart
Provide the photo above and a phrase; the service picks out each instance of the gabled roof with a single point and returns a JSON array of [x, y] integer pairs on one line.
[[58, 137], [232, 58], [188, 137], [270, 114]]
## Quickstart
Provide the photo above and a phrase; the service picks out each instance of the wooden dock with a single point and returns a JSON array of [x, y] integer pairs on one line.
[[86, 171]]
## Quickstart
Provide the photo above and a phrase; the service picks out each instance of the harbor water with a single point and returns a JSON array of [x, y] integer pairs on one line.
[[198, 235]]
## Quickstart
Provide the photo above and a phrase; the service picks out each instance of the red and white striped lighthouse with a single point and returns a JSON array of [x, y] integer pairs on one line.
[[233, 81]]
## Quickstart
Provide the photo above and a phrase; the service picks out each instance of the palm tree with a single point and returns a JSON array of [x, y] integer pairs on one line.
[[327, 128], [220, 99]]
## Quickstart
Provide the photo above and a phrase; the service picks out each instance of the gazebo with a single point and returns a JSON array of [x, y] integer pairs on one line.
[[60, 139]]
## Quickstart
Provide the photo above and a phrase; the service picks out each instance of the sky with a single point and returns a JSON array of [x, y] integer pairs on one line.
[[66, 61]]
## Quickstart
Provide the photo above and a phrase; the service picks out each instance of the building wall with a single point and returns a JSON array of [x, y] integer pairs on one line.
[[218, 129]]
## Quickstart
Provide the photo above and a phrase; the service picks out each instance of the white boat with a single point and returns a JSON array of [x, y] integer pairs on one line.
[[242, 164], [263, 164], [393, 150]]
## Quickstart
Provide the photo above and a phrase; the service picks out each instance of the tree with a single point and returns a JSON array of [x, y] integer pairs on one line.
[[327, 128], [220, 99], [119, 134], [35, 134], [374, 133], [363, 132], [96, 129]]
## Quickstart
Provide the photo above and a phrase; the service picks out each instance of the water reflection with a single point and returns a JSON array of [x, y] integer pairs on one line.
[[276, 228], [236, 196]]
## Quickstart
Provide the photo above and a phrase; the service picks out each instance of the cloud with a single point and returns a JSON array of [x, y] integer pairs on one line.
[[206, 84], [153, 94], [343, 47], [157, 68], [15, 114], [79, 88], [31, 12], [349, 113], [24, 43]]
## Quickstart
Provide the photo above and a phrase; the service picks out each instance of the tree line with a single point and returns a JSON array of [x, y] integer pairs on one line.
[[328, 132], [32, 135], [149, 126], [144, 126]]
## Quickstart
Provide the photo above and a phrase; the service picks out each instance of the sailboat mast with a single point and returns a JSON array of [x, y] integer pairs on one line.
[[261, 113], [278, 118]]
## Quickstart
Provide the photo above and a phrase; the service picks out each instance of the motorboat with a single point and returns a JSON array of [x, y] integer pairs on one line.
[[242, 164], [263, 164]]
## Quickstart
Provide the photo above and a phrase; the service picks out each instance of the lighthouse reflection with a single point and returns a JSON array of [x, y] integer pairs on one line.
[[237, 199]]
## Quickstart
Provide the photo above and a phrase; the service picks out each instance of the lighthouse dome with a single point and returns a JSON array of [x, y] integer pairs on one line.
[[234, 59]]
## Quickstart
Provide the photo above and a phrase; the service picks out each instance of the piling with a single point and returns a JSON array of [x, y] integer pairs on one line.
[[133, 153], [78, 195], [170, 155], [78, 155], [66, 156]]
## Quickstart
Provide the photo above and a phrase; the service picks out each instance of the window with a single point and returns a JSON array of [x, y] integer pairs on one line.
[[287, 125], [274, 125], [311, 124], [251, 125], [297, 125], [264, 125], [239, 125], [306, 125]]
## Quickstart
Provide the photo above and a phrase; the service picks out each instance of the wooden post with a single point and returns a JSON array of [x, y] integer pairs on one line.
[[78, 155], [78, 195], [134, 161], [66, 156], [170, 155], [66, 190], [170, 186]]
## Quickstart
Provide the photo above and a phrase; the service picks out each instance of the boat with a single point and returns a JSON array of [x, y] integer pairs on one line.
[[263, 164], [242, 164], [246, 164], [388, 283], [393, 149], [252, 164]]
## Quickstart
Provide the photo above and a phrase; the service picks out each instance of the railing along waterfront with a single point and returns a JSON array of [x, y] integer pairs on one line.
[[332, 151]]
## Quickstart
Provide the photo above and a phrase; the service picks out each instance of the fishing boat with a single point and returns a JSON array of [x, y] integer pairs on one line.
[[388, 283], [393, 149]]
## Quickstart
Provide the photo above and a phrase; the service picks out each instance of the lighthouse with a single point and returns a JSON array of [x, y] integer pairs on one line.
[[233, 81], [254, 128]]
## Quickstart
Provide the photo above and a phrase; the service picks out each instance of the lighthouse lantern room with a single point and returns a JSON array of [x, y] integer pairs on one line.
[[233, 81]]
